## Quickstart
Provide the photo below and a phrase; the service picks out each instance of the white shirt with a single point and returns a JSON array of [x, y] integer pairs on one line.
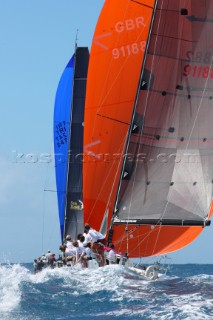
[[70, 249], [88, 252], [48, 254], [87, 237], [112, 256], [95, 235], [69, 245], [80, 243], [44, 259], [75, 252], [78, 252], [80, 246]]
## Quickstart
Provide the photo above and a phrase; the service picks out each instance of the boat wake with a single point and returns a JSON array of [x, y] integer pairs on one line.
[[104, 293]]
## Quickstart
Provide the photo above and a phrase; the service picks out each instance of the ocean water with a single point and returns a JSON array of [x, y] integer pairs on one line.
[[111, 292]]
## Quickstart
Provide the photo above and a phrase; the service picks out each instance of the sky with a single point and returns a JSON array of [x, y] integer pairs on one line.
[[37, 39]]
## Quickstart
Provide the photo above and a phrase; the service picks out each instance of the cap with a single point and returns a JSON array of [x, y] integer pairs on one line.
[[68, 237]]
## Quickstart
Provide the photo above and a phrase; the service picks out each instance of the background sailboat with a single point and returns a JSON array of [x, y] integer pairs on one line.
[[148, 125]]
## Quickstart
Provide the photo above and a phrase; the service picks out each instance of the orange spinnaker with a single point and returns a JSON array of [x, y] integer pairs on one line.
[[146, 241], [116, 59]]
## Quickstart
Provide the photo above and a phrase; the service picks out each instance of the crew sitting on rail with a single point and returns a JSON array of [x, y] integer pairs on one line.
[[87, 237], [98, 240], [43, 258], [93, 235], [68, 241], [86, 255], [111, 254], [62, 248], [44, 261], [38, 265], [50, 258], [48, 254], [77, 251], [80, 239], [71, 252]]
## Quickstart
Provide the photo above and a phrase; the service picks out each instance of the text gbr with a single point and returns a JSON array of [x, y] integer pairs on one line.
[[129, 49]]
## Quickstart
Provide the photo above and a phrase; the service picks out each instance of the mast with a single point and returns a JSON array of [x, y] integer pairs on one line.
[[76, 40]]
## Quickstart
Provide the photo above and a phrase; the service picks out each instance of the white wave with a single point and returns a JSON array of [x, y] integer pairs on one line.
[[207, 278], [108, 278], [115, 283], [123, 312], [113, 278], [10, 293], [190, 307]]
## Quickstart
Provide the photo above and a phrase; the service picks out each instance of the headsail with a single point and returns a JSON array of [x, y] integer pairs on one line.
[[74, 205], [68, 142], [62, 114]]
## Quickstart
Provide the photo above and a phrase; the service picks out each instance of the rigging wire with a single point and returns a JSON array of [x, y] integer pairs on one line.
[[44, 209]]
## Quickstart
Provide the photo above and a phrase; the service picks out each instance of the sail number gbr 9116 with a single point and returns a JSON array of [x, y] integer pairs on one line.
[[128, 50], [198, 71]]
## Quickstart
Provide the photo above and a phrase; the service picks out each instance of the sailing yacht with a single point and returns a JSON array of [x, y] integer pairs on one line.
[[147, 156]]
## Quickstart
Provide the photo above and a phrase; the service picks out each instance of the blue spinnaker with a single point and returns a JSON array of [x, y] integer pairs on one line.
[[62, 120]]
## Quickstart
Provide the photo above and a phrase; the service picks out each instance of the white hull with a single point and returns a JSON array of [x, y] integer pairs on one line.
[[150, 273]]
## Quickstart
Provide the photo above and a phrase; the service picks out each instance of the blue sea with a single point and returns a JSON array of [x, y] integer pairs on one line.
[[111, 292]]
